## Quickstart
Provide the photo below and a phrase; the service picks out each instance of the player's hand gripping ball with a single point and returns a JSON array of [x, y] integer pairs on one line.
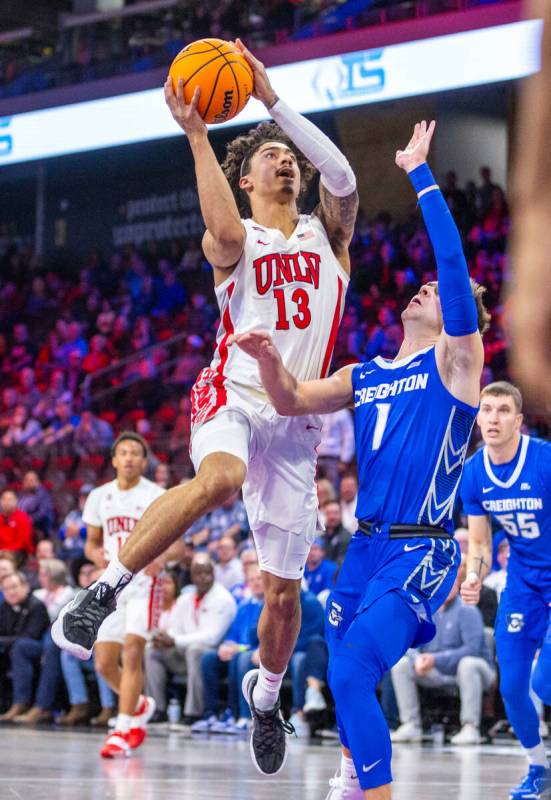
[[222, 73]]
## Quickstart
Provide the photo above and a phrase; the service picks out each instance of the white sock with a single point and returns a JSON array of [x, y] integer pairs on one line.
[[349, 776], [266, 691], [116, 575], [536, 755], [124, 723]]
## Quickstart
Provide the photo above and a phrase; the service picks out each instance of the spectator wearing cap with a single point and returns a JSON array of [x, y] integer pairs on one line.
[[15, 526], [336, 536], [336, 449], [319, 572], [36, 500], [23, 619]]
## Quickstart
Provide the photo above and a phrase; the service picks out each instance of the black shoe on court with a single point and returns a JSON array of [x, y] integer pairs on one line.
[[268, 743], [77, 625]]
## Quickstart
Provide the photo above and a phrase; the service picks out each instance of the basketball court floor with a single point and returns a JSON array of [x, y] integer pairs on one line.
[[46, 764]]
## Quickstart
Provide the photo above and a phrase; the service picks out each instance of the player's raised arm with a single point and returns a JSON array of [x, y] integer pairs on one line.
[[338, 195], [479, 559], [459, 351], [224, 239], [292, 398]]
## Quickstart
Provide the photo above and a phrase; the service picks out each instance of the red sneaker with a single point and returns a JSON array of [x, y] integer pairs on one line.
[[136, 737], [146, 708], [116, 745]]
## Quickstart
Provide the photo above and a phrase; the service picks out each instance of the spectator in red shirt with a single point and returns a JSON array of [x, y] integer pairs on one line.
[[15, 525]]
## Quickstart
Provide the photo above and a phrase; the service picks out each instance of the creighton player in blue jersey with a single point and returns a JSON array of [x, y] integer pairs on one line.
[[509, 480], [413, 420]]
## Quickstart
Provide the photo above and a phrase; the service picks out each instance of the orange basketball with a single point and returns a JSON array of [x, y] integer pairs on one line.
[[225, 78]]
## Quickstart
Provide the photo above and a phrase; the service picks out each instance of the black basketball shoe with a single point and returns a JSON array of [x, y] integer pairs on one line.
[[268, 736], [77, 625]]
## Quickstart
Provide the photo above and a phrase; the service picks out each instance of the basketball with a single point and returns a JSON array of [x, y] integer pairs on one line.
[[222, 72]]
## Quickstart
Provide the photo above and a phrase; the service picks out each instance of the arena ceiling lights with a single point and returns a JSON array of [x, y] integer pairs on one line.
[[488, 55]]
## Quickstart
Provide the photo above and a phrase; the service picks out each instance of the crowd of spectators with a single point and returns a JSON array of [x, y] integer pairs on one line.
[[81, 357], [143, 41]]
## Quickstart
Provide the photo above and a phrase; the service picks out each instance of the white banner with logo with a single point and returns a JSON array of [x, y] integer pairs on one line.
[[488, 55]]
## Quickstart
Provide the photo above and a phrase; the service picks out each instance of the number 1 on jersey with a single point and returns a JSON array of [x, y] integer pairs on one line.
[[383, 410]]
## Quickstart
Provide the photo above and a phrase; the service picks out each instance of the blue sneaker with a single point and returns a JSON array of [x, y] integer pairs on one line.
[[224, 724], [534, 786], [204, 725]]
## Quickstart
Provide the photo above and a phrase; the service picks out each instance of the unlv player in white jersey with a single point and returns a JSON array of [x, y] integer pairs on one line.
[[277, 269], [110, 514]]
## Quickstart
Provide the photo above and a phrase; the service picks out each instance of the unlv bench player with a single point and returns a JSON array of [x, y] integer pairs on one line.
[[278, 270]]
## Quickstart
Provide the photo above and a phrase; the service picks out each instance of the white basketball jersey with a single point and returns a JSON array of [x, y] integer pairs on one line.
[[116, 512], [295, 288]]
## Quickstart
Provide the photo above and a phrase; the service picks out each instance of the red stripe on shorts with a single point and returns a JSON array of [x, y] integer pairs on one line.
[[333, 334], [151, 604], [219, 380], [209, 394]]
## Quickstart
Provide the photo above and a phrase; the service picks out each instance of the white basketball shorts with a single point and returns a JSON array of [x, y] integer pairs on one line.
[[139, 606], [279, 491]]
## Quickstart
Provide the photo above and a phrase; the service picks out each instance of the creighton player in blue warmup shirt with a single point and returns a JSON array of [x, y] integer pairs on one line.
[[413, 419], [509, 480]]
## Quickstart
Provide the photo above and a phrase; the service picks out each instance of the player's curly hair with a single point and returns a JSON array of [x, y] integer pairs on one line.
[[484, 316], [240, 151]]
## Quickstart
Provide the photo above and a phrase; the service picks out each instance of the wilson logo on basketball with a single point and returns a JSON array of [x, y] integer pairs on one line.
[[228, 100], [279, 269]]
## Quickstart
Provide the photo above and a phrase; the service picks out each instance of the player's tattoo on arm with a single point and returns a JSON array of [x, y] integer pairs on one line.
[[341, 210]]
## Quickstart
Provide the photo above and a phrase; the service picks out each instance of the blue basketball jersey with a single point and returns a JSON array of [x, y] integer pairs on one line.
[[411, 441], [517, 495]]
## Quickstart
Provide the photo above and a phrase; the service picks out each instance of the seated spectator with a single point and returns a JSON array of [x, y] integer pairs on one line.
[[22, 430], [311, 629], [36, 500], [310, 680], [457, 656], [55, 589], [336, 536], [7, 567], [202, 616], [72, 533], [319, 572], [45, 408], [181, 432], [497, 579], [16, 526], [45, 550], [27, 392], [326, 492], [349, 496], [336, 449], [74, 671], [98, 357], [92, 435], [232, 659], [23, 620], [42, 658], [229, 520], [162, 476], [229, 570], [61, 428], [249, 560]]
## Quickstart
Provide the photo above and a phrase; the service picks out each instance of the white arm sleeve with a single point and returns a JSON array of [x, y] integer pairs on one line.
[[336, 173]]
